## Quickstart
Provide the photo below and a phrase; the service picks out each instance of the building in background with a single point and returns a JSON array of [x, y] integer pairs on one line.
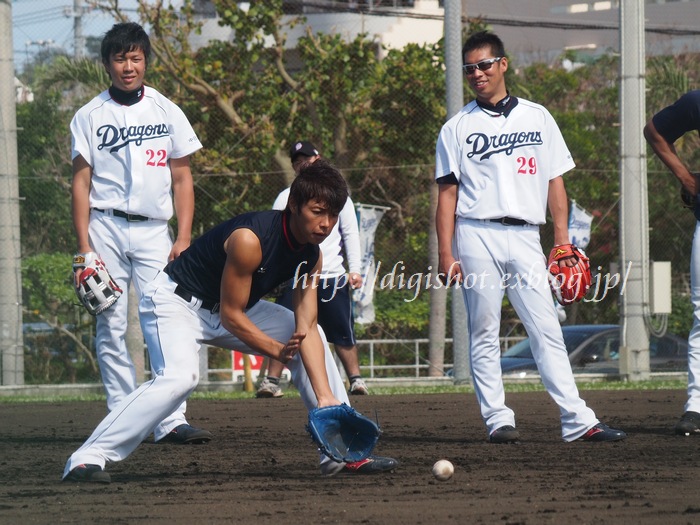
[[583, 29], [23, 93]]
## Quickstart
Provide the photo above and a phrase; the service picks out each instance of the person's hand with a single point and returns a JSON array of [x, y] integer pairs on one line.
[[570, 273], [355, 280], [179, 246], [567, 261], [327, 402], [292, 347], [78, 268], [449, 271]]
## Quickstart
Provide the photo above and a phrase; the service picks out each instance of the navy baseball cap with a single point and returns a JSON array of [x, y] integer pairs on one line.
[[302, 148]]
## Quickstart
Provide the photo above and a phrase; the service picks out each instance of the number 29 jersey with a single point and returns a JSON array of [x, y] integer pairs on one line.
[[129, 149], [503, 164]]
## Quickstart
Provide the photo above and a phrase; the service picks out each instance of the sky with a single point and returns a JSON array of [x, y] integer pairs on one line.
[[38, 24]]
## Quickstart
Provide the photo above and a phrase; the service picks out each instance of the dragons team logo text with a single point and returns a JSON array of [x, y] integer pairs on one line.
[[482, 144], [116, 138]]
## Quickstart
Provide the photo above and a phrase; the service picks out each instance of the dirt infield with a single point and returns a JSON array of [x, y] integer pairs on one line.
[[261, 467]]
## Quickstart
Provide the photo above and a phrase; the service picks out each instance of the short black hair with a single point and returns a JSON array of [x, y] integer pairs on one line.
[[322, 181], [123, 38], [483, 39]]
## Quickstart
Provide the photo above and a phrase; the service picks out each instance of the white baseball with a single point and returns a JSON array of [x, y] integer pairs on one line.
[[443, 470]]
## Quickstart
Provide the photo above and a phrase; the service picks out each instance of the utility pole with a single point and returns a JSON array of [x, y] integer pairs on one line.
[[454, 11], [11, 342], [78, 38], [438, 293], [634, 216]]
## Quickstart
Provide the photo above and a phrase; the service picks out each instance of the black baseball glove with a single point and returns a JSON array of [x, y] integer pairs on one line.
[[688, 200], [342, 433]]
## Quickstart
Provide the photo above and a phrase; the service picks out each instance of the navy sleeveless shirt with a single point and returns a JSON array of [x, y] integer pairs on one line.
[[200, 267]]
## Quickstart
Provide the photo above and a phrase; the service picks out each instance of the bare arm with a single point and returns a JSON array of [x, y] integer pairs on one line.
[[183, 194], [667, 153], [559, 209], [243, 258], [445, 227], [80, 192], [313, 353]]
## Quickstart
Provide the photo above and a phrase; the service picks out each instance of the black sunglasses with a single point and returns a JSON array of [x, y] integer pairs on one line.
[[484, 65]]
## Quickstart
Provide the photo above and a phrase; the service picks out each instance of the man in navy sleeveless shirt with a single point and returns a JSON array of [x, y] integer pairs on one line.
[[211, 295], [661, 132]]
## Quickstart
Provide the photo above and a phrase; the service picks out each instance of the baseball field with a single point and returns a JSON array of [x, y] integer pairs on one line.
[[261, 467]]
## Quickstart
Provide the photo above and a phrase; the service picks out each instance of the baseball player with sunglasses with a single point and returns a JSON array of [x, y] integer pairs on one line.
[[131, 149], [499, 164]]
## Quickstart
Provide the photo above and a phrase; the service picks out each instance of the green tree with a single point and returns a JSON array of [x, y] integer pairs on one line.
[[44, 176], [377, 118], [62, 353]]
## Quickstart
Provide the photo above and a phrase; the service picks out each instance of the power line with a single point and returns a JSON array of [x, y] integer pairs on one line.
[[45, 15], [519, 22]]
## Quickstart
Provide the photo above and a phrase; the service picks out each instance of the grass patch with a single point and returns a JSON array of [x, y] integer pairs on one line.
[[378, 390], [468, 389], [51, 398]]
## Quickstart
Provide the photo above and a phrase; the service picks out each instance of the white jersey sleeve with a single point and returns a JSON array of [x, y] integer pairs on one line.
[[350, 233], [448, 150], [81, 129], [561, 159], [332, 247], [281, 200]]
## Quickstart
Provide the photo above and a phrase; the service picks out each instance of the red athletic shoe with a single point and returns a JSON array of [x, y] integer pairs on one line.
[[372, 465], [602, 432]]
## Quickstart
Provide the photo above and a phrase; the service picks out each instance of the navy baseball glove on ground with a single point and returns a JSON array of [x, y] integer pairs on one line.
[[342, 433]]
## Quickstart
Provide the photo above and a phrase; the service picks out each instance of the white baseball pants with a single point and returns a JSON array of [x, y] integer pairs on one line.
[[174, 331], [693, 403], [498, 259], [132, 251]]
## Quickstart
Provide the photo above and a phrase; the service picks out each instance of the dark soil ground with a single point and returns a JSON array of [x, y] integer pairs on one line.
[[261, 467]]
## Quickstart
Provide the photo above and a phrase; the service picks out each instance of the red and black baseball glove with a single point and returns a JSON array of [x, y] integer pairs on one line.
[[569, 283]]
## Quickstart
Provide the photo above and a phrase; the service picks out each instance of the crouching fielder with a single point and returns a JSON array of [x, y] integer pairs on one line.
[[211, 295]]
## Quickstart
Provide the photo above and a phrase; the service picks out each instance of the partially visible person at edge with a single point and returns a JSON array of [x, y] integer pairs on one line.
[[131, 150], [492, 200], [335, 314], [661, 132], [211, 294]]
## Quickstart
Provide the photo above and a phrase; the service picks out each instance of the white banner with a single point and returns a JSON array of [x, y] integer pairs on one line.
[[368, 218], [579, 225]]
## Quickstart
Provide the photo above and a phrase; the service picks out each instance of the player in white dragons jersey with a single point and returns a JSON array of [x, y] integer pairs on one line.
[[131, 148], [499, 164]]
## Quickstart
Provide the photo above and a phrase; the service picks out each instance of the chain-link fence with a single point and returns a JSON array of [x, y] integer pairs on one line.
[[374, 112]]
